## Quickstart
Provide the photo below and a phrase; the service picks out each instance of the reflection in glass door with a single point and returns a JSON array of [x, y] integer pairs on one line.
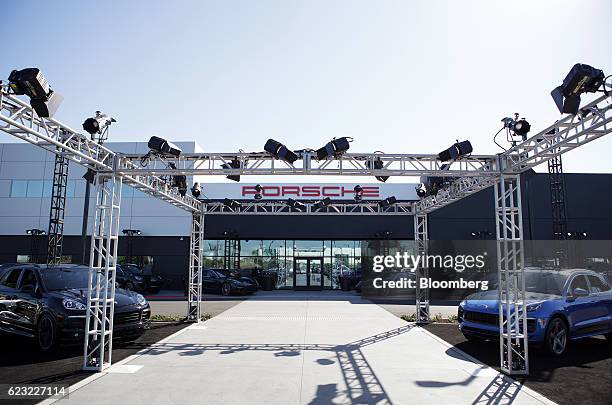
[[307, 273]]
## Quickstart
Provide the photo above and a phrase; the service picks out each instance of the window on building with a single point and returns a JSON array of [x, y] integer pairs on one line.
[[19, 188]]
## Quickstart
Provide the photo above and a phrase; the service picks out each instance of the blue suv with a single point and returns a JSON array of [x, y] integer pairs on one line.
[[562, 305]]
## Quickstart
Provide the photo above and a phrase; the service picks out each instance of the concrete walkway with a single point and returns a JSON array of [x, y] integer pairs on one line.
[[307, 348]]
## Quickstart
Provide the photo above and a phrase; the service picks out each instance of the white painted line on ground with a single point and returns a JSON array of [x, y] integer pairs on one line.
[[123, 369], [534, 394]]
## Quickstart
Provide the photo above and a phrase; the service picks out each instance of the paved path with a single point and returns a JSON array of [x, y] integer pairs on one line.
[[309, 348]]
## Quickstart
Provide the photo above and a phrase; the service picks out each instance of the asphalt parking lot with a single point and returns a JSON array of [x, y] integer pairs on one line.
[[583, 375]]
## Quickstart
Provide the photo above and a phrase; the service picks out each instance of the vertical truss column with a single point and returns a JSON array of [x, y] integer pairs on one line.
[[421, 239], [510, 265], [194, 295], [98, 344], [558, 209], [58, 208]]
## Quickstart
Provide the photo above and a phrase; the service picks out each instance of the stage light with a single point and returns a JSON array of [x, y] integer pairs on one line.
[[196, 190], [258, 191], [421, 190], [233, 204], [131, 232], [377, 165], [90, 176], [98, 125], [358, 193], [459, 149], [580, 79], [163, 147], [323, 203], [35, 232], [234, 164], [32, 83], [296, 204], [387, 202], [280, 151], [335, 148]]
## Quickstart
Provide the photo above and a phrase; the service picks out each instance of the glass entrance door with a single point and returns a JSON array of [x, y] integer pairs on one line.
[[308, 273]]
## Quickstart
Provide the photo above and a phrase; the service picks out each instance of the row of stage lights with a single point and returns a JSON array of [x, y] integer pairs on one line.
[[318, 205], [45, 101]]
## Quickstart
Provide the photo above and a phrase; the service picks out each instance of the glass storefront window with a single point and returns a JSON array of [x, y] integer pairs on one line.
[[251, 248]]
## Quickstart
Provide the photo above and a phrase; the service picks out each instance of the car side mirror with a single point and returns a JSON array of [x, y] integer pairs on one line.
[[580, 292]]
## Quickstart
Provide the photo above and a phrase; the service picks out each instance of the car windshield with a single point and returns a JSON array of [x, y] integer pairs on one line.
[[542, 282], [66, 278]]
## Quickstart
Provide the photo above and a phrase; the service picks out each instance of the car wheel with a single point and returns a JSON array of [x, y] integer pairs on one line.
[[226, 289], [129, 286], [46, 335], [556, 337]]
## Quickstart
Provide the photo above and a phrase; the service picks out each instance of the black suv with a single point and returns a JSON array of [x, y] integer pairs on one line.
[[131, 277], [48, 304]]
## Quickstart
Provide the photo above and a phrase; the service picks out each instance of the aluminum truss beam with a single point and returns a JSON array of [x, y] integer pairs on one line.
[[195, 268], [349, 164], [512, 318], [421, 240], [57, 211], [99, 316], [17, 118], [269, 207]]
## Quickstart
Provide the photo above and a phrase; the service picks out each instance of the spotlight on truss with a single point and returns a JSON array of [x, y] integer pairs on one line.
[[258, 192], [280, 151], [334, 149], [580, 79], [323, 203], [458, 150], [358, 192], [32, 83], [377, 164], [232, 204], [162, 147], [196, 190], [234, 164], [519, 127], [297, 205], [179, 181], [387, 202], [98, 125], [90, 176], [421, 190]]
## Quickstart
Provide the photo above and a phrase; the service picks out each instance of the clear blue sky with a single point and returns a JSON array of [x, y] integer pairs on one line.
[[398, 76]]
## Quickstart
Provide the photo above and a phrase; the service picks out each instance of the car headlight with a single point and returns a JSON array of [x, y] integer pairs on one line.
[[140, 299], [73, 305], [463, 303], [138, 278], [534, 307]]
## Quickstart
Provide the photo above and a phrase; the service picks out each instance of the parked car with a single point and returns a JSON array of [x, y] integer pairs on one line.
[[215, 281], [131, 277], [562, 305], [48, 304]]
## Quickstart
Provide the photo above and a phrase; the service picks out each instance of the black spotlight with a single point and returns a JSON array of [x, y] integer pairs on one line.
[[196, 190], [581, 79], [98, 124], [358, 193], [234, 164], [421, 190], [180, 182], [296, 204], [459, 149], [519, 127], [258, 192], [280, 151], [90, 176], [323, 203], [233, 204], [335, 148], [163, 147], [387, 202], [32, 82], [377, 165]]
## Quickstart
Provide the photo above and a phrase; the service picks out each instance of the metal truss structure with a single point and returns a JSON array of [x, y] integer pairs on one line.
[[513, 338], [194, 288], [58, 209], [421, 240], [468, 175]]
